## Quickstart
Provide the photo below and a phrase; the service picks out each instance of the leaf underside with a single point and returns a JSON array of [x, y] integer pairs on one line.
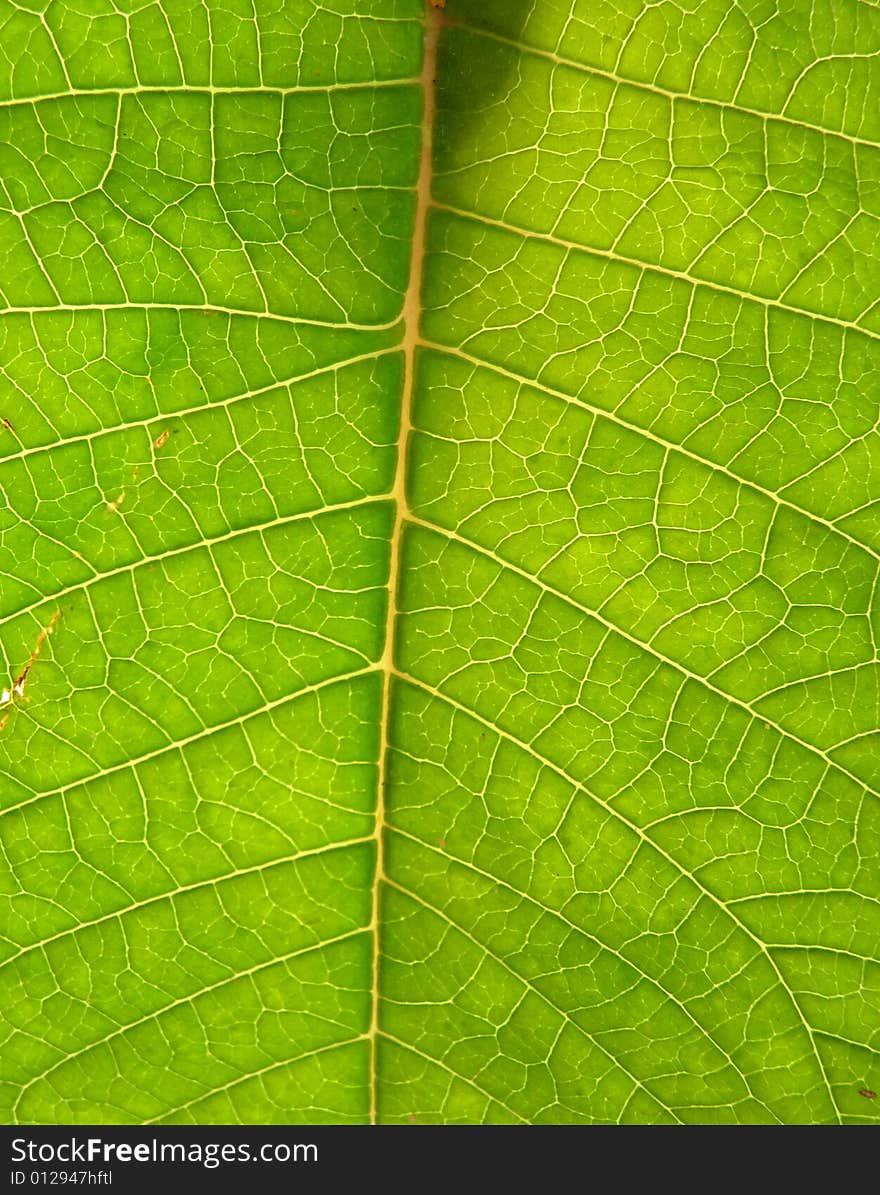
[[585, 414]]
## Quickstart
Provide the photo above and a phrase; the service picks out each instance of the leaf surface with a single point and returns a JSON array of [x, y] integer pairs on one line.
[[439, 562]]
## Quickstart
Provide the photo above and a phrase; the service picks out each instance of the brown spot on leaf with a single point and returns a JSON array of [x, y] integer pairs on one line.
[[867, 1093], [161, 440], [8, 697]]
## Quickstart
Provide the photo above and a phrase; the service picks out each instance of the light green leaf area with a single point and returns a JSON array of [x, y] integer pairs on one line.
[[439, 562]]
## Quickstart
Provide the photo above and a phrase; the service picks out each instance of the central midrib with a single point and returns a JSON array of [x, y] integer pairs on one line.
[[433, 22]]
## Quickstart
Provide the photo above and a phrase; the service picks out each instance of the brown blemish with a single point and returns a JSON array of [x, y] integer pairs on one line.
[[9, 697], [161, 440]]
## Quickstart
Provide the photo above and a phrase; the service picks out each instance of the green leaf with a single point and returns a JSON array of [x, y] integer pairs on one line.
[[439, 560]]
